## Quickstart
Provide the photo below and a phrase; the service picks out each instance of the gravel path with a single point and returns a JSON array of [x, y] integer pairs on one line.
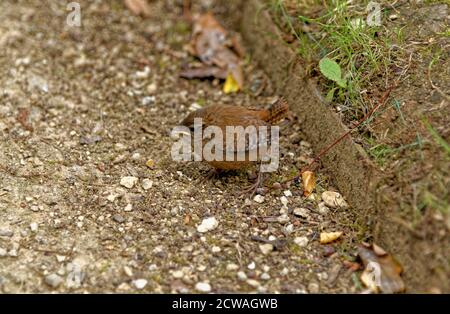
[[82, 111]]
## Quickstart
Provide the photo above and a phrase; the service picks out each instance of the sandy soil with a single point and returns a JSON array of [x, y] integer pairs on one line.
[[82, 108]]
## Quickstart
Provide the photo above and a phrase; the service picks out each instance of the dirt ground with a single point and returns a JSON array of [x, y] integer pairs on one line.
[[82, 109]]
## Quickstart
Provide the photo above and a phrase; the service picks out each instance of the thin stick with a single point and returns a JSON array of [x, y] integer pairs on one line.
[[328, 148]]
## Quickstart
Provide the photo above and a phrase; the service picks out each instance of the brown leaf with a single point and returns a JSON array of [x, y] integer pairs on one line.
[[204, 72], [138, 7], [382, 271], [210, 43], [309, 182]]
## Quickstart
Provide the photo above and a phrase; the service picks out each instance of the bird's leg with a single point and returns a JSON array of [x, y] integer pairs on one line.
[[253, 187], [212, 173]]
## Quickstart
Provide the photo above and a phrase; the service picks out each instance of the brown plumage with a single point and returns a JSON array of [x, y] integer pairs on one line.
[[228, 115]]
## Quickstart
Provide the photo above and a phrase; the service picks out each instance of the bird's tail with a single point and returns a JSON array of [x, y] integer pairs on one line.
[[278, 111]]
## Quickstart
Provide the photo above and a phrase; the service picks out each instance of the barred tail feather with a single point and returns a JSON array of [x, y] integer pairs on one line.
[[278, 111]]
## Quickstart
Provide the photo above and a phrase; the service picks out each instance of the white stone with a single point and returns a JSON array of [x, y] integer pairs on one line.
[[53, 280], [258, 198], [3, 252], [253, 283], [128, 271], [334, 199], [251, 266], [140, 283], [266, 248], [301, 241], [283, 219], [203, 287], [241, 276], [287, 193], [323, 209], [216, 249], [265, 276], [128, 208], [112, 197], [152, 88], [289, 228], [284, 201], [147, 184], [301, 212], [208, 224], [128, 182], [178, 274], [232, 267], [34, 226]]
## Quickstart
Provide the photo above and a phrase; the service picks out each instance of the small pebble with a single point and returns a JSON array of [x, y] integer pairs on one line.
[[266, 248], [265, 276], [6, 233], [3, 252], [147, 100], [251, 266], [208, 224], [284, 201], [276, 186], [241, 276], [53, 280], [128, 271], [178, 274], [289, 228], [301, 241], [258, 198], [147, 184], [34, 226], [232, 267], [282, 219], [139, 283], [334, 199], [253, 283], [128, 182], [301, 212], [128, 208], [287, 193], [393, 17], [216, 249], [322, 208], [203, 287], [118, 218]]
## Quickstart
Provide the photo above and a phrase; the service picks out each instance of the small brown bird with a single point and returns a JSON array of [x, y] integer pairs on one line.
[[228, 115]]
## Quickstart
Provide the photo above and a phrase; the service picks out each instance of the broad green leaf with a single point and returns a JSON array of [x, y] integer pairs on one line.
[[342, 83], [332, 71]]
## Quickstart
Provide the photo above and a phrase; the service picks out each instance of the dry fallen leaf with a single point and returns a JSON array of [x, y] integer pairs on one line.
[[187, 219], [220, 54], [204, 72], [138, 7], [230, 86], [327, 237], [382, 271], [150, 163], [309, 182]]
